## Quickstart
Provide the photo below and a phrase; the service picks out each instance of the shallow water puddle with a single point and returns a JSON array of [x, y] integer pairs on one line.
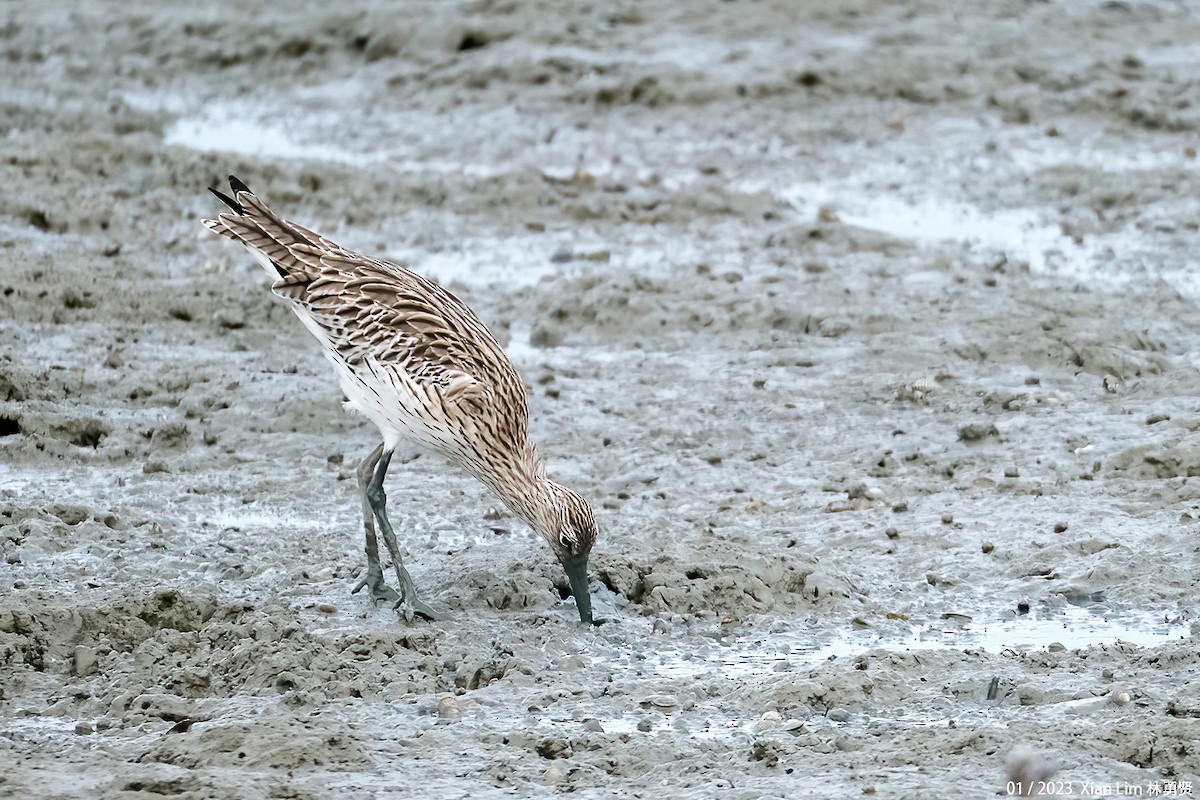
[[222, 132], [278, 131], [1072, 627], [230, 128], [220, 129], [32, 728], [747, 657], [889, 192], [517, 260], [929, 220]]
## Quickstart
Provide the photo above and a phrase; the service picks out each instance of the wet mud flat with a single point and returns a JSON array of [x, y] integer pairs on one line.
[[869, 328]]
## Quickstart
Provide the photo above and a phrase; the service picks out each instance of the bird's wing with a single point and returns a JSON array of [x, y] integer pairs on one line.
[[384, 312], [373, 309]]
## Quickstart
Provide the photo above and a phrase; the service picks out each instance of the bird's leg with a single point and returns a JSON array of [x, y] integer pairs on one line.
[[378, 501], [380, 591]]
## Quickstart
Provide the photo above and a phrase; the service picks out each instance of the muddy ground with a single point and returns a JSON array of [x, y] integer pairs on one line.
[[870, 328]]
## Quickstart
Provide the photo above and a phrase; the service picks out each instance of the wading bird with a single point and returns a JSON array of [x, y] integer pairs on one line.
[[413, 359]]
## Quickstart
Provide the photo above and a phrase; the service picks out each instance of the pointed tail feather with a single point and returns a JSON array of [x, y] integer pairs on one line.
[[269, 237], [238, 186], [227, 200]]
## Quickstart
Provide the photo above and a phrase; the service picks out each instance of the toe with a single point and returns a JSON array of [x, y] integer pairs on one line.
[[425, 611], [405, 609]]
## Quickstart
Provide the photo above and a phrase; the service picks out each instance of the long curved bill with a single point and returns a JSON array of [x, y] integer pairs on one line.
[[576, 569]]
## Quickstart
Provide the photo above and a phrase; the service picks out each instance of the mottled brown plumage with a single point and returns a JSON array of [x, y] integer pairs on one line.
[[416, 361]]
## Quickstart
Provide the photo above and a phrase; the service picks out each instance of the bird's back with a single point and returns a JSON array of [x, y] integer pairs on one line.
[[410, 355]]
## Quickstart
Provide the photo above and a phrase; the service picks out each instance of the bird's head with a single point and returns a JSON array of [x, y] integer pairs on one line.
[[568, 524]]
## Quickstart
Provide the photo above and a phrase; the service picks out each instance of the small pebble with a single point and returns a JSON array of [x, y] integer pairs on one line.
[[1119, 697], [70, 514], [593, 725], [976, 431], [769, 719], [947, 519], [84, 660], [892, 533], [325, 608], [987, 547], [899, 508], [1056, 647], [553, 776], [660, 701], [645, 726], [449, 708], [1060, 527], [84, 728], [1012, 472], [570, 663]]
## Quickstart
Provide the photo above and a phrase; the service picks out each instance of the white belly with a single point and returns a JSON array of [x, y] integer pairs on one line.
[[389, 398]]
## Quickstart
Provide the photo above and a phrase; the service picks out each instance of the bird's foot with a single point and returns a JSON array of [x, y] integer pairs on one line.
[[380, 591], [417, 607], [408, 604], [405, 601]]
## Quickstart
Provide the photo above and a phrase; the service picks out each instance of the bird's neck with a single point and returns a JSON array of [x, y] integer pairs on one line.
[[533, 503], [523, 486]]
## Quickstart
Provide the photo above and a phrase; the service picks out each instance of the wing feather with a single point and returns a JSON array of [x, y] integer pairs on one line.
[[370, 309]]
